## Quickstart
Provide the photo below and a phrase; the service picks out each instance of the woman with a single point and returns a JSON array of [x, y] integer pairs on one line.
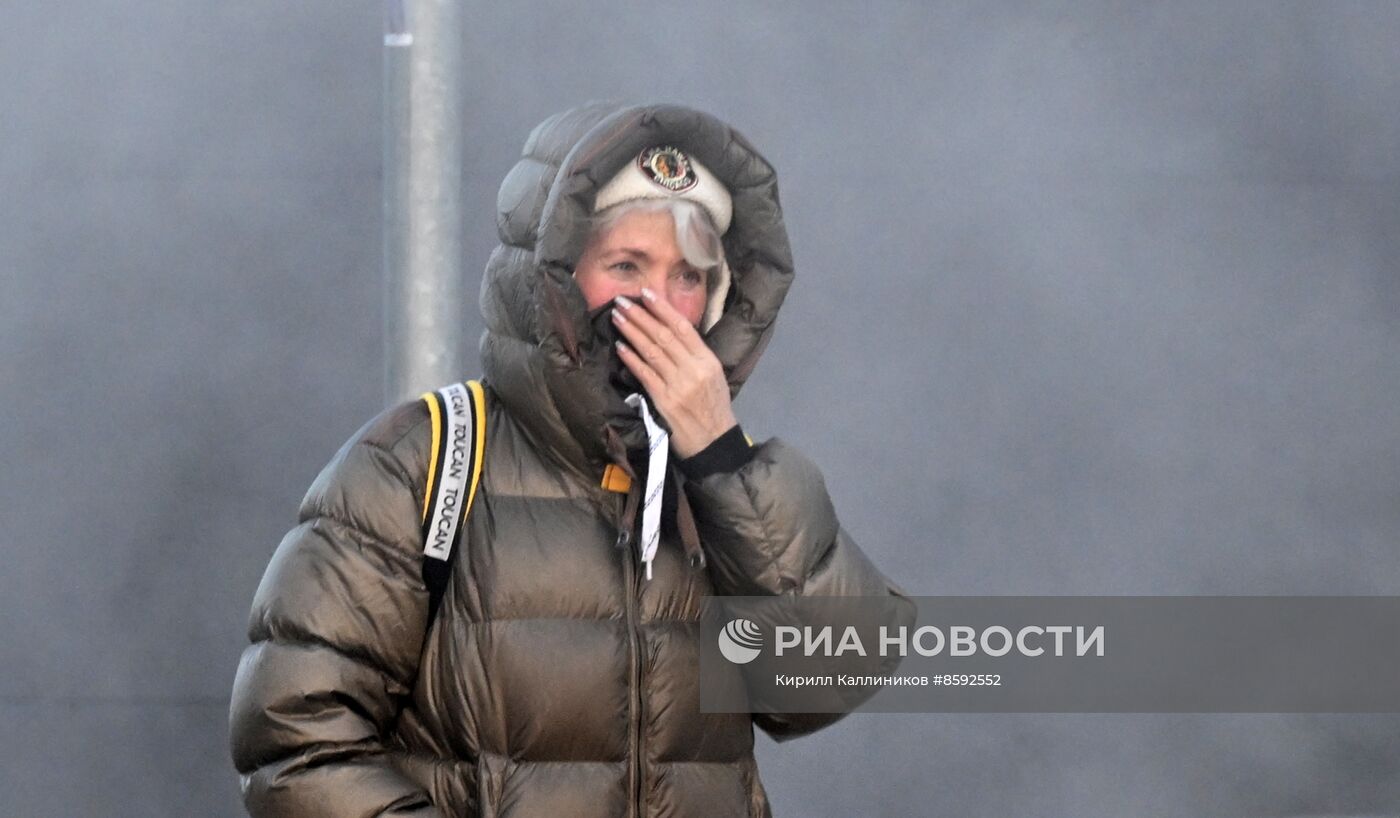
[[642, 252]]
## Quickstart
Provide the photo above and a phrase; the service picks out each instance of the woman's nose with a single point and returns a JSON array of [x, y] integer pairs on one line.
[[633, 289]]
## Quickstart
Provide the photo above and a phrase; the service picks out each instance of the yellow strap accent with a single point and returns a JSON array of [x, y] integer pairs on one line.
[[615, 479], [479, 424], [430, 398], [479, 444], [749, 439]]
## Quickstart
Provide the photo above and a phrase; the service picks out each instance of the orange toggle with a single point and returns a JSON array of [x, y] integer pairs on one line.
[[615, 479]]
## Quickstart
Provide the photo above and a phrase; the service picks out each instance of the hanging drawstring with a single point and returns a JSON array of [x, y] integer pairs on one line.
[[618, 452], [685, 523], [659, 471], [629, 514]]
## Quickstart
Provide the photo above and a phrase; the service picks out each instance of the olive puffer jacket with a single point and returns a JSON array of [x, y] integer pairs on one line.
[[554, 680]]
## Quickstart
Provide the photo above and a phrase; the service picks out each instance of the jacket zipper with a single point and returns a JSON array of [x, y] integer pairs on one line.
[[624, 541]]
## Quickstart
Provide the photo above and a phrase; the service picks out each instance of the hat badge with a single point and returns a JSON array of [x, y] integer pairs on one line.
[[669, 168]]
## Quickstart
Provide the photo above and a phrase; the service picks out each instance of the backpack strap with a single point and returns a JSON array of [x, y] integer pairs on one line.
[[458, 414]]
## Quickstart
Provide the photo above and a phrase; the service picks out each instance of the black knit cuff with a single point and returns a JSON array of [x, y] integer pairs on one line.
[[727, 453]]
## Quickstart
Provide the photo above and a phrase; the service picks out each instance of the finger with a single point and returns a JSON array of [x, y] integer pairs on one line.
[[655, 330], [683, 330], [651, 381], [642, 344], [668, 410]]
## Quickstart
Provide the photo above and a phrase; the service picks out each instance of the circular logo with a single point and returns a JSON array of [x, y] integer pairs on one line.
[[668, 167], [740, 641]]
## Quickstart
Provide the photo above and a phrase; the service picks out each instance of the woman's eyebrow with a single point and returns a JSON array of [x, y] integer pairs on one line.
[[629, 251]]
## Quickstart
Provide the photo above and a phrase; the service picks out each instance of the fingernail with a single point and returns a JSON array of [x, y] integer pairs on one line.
[[625, 302], [619, 317], [648, 294], [621, 347]]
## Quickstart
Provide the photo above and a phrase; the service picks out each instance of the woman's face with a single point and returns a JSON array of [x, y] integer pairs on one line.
[[639, 250]]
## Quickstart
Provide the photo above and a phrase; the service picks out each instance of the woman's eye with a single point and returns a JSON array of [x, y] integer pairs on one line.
[[623, 267], [693, 277]]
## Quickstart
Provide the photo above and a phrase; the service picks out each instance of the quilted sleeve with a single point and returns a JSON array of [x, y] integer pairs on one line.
[[769, 529], [336, 629]]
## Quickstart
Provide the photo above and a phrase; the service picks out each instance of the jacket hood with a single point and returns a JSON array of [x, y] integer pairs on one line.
[[547, 361]]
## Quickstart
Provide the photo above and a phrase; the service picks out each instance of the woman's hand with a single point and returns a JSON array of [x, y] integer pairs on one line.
[[683, 378]]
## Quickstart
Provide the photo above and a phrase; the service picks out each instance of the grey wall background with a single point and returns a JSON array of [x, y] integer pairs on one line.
[[1093, 298]]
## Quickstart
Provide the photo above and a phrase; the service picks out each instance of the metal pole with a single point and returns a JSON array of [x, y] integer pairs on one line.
[[423, 286]]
